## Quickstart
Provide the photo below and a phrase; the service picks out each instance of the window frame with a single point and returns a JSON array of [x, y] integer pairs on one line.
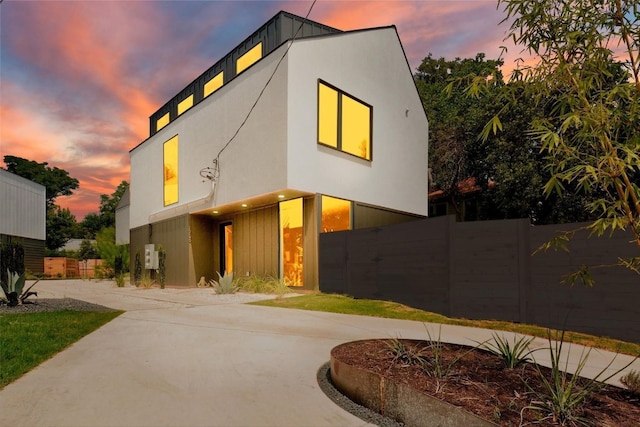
[[339, 132]]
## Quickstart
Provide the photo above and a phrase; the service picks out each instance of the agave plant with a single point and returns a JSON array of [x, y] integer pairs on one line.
[[225, 284], [12, 291]]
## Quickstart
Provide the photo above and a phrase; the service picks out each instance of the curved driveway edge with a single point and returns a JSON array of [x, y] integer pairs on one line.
[[184, 357]]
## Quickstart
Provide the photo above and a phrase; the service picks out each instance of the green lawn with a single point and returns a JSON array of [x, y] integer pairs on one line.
[[28, 339], [342, 304]]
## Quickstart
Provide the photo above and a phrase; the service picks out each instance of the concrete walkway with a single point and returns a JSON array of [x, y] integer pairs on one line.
[[190, 358]]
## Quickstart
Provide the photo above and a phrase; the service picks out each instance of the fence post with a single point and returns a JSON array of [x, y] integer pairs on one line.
[[524, 267]]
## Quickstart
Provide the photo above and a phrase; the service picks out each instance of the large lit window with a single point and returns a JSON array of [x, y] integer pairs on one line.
[[291, 241], [336, 214], [185, 104], [171, 171], [344, 122], [162, 121], [246, 60], [214, 84]]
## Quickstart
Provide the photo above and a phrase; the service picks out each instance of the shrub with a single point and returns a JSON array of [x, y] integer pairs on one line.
[[11, 260], [146, 282], [632, 381], [137, 270], [120, 280], [117, 265], [162, 261], [264, 285]]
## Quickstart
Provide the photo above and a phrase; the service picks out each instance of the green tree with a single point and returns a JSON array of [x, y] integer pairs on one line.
[[507, 166], [454, 121], [90, 226], [106, 246], [94, 222], [587, 79], [60, 227], [108, 205], [87, 250], [57, 181]]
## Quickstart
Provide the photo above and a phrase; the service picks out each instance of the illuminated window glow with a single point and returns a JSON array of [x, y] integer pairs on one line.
[[356, 127], [344, 122], [336, 214], [214, 84], [162, 121], [328, 116], [170, 178], [185, 104], [246, 60], [228, 248], [291, 241]]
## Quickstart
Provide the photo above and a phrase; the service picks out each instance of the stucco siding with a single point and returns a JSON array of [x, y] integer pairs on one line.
[[369, 65], [253, 163]]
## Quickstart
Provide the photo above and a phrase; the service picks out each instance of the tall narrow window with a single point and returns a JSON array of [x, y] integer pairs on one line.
[[336, 214], [356, 127], [214, 84], [291, 223], [226, 246], [344, 122], [327, 115], [171, 171], [185, 104], [246, 60], [162, 122]]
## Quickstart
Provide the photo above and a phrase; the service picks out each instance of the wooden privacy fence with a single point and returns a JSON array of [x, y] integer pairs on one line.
[[486, 270]]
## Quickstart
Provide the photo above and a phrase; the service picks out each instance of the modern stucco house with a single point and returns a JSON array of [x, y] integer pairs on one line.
[[336, 140], [23, 217]]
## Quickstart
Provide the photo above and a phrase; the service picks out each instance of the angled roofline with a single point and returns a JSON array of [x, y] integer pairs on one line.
[[281, 28]]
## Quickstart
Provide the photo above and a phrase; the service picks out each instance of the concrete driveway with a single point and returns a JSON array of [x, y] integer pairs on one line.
[[190, 358]]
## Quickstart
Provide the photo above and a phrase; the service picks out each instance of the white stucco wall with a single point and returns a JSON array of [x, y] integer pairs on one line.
[[277, 148], [253, 164], [22, 207], [371, 66]]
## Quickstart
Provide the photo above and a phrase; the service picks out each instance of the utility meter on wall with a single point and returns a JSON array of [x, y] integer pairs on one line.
[[150, 258]]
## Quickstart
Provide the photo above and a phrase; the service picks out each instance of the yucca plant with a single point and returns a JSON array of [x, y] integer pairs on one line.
[[512, 354], [562, 394], [225, 284]]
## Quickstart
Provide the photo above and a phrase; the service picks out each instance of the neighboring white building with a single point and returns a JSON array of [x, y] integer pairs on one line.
[[338, 140], [122, 219], [23, 211]]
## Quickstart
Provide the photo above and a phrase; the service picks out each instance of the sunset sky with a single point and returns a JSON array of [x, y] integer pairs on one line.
[[79, 79]]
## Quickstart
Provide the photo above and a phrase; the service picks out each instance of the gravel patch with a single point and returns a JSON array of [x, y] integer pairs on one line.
[[52, 304]]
